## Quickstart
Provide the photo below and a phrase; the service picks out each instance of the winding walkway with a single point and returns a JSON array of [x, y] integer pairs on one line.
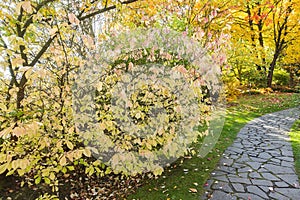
[[259, 164]]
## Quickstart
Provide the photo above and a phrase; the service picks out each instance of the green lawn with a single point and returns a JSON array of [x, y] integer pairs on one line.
[[185, 178], [295, 138]]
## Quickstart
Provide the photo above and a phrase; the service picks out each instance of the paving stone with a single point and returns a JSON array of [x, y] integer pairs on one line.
[[238, 187], [224, 186], [234, 157], [287, 164], [270, 176], [287, 153], [275, 160], [256, 190], [229, 170], [244, 175], [255, 159], [226, 161], [262, 182], [237, 145], [245, 169], [266, 189], [261, 170], [289, 192], [281, 184], [254, 165], [234, 149], [218, 173], [243, 159], [277, 196], [254, 175], [275, 153], [260, 162], [247, 196], [221, 178], [290, 159], [239, 180], [290, 179], [265, 156], [279, 169], [217, 195], [238, 165]]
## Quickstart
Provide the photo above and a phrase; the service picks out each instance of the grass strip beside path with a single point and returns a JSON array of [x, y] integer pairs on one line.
[[186, 177], [295, 139]]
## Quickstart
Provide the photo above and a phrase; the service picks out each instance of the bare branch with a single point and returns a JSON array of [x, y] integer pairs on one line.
[[42, 51], [105, 9]]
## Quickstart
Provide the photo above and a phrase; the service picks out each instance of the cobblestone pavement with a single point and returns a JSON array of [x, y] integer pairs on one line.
[[260, 162]]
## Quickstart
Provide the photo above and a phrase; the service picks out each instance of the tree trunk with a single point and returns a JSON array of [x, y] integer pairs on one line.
[[271, 70], [292, 82]]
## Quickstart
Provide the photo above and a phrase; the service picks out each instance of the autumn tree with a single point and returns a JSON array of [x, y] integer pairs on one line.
[[208, 22], [42, 44], [271, 26]]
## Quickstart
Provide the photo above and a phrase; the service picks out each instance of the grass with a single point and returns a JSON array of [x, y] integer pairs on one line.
[[295, 139], [186, 177]]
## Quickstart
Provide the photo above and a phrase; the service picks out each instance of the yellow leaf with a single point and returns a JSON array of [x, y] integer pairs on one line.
[[69, 145], [3, 107], [91, 171], [87, 152], [158, 171], [6, 132], [193, 190], [97, 163], [52, 176], [21, 172], [63, 161], [15, 164], [2, 158], [70, 156], [138, 115], [77, 154], [3, 168]]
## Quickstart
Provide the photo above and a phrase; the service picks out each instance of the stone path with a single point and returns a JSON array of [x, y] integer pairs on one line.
[[259, 164]]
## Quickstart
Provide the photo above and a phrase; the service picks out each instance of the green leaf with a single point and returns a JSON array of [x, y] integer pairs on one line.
[[64, 170], [10, 172], [71, 168], [37, 180], [91, 171], [47, 180]]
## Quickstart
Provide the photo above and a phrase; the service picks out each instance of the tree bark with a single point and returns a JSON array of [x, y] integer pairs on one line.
[[271, 69]]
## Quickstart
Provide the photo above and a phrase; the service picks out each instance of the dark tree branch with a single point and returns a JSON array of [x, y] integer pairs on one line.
[[30, 19], [105, 9], [42, 51]]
